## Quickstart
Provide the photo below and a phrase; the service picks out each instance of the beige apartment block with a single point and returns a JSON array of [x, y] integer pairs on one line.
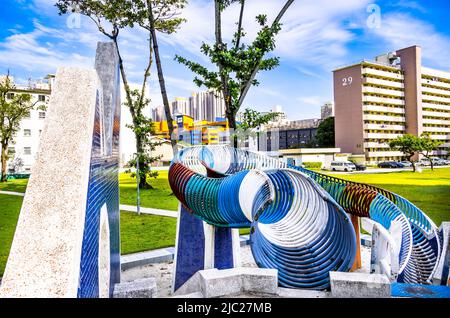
[[376, 101]]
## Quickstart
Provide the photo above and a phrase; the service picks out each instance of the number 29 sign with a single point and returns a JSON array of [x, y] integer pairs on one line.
[[346, 81]]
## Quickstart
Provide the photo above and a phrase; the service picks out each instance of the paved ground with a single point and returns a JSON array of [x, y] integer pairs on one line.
[[163, 271]]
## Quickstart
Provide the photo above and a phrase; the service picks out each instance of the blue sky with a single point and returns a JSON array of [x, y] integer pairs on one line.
[[317, 37]]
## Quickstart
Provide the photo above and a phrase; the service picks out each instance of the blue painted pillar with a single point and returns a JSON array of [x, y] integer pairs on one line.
[[200, 246]]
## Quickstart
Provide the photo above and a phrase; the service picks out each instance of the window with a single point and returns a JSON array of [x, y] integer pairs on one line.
[[27, 150], [27, 132], [41, 115], [10, 95], [41, 98]]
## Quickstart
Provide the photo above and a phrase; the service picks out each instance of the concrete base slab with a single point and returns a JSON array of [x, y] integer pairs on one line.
[[140, 288], [359, 285], [234, 281], [301, 293]]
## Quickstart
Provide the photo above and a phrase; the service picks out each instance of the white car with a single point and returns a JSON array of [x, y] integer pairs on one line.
[[342, 166]]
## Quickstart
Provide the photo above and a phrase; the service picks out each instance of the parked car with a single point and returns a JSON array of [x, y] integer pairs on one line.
[[399, 164], [360, 167], [388, 164], [423, 162], [406, 163], [342, 166]]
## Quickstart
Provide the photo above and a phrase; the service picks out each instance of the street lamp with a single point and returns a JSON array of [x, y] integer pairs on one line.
[[138, 180]]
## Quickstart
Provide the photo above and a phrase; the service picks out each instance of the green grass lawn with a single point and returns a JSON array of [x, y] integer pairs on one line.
[[145, 232], [429, 190], [18, 185], [160, 197], [9, 214]]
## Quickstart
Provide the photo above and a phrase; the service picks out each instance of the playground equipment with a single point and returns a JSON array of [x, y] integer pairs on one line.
[[298, 218]]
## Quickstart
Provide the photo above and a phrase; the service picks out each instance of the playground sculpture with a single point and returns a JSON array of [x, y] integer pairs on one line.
[[298, 218]]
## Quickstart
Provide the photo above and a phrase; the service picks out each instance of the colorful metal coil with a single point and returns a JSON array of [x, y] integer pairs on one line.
[[298, 217]]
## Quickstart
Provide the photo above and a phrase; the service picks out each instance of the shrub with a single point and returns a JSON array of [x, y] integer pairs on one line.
[[312, 165]]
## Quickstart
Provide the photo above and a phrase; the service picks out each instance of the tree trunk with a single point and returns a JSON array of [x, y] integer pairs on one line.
[[4, 160], [162, 83], [412, 162], [431, 163], [233, 126]]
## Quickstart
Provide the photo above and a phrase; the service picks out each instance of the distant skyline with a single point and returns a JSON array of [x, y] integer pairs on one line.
[[317, 37]]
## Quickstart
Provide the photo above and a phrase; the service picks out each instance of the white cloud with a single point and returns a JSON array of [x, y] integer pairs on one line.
[[313, 32], [402, 30], [311, 100]]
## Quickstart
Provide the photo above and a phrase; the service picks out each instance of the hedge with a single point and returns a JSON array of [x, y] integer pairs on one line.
[[312, 165]]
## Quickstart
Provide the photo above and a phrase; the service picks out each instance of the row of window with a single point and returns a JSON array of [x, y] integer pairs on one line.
[[424, 100], [383, 114], [27, 132], [436, 79], [436, 87], [383, 95], [383, 78], [371, 103], [41, 98], [383, 69], [436, 94], [380, 86], [374, 131], [376, 122], [12, 151]]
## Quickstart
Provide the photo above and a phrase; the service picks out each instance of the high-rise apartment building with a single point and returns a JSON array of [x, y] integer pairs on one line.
[[393, 95], [208, 106], [25, 143], [327, 110]]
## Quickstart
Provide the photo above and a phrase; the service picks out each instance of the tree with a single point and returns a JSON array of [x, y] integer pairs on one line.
[[325, 133], [160, 15], [409, 145], [252, 119], [237, 63], [13, 108], [427, 146], [17, 164], [110, 17]]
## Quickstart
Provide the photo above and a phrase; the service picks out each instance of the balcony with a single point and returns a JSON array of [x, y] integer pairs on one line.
[[435, 83], [384, 127], [435, 114], [375, 145], [387, 75], [385, 154], [440, 137], [384, 118], [381, 136], [435, 91], [377, 81], [383, 91], [437, 129], [383, 100], [436, 99], [384, 109], [436, 121]]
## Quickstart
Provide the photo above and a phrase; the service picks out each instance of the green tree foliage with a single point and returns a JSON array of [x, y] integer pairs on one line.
[[409, 145], [325, 133], [13, 108], [236, 63], [252, 119], [427, 146], [110, 18]]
